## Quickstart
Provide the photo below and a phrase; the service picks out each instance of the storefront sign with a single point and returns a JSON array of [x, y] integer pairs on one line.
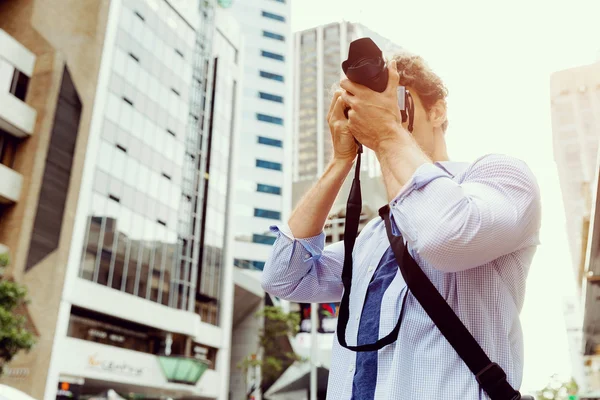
[[118, 367]]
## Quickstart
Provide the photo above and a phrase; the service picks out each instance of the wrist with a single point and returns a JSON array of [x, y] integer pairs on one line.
[[392, 143]]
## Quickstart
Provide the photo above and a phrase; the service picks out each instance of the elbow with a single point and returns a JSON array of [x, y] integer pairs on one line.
[[270, 284]]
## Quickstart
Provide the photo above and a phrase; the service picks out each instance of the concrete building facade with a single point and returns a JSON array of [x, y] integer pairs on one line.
[[132, 159]]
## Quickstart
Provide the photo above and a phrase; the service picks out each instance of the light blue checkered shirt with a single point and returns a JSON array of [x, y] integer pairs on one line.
[[473, 229]]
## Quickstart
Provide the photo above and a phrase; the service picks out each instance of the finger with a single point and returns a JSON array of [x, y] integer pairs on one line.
[[349, 99], [353, 88], [336, 95], [338, 109], [394, 77]]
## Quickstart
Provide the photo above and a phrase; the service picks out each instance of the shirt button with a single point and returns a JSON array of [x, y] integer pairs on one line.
[[358, 317], [370, 269], [306, 256], [351, 368]]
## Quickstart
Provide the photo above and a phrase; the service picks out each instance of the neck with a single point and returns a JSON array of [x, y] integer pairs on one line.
[[440, 152]]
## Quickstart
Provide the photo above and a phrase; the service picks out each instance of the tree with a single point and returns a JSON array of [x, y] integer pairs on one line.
[[274, 357], [557, 389], [14, 336]]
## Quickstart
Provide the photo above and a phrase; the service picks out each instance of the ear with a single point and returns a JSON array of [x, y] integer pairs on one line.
[[437, 114]]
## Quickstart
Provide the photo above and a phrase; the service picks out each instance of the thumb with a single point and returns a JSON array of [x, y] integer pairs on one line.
[[393, 77]]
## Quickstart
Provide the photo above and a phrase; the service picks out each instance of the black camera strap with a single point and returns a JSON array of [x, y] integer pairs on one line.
[[489, 375]]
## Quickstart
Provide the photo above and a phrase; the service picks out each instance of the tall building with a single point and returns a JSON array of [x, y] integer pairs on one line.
[[263, 187], [49, 64], [319, 53], [146, 260], [575, 106], [263, 179]]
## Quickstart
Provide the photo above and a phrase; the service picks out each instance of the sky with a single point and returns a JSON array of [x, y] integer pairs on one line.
[[496, 59]]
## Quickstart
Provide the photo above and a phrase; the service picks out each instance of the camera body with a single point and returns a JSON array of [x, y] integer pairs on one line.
[[366, 66]]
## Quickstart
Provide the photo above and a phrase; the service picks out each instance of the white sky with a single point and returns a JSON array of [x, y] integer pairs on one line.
[[496, 59]]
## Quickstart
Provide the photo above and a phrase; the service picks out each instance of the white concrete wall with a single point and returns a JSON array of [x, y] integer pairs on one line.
[[244, 342]]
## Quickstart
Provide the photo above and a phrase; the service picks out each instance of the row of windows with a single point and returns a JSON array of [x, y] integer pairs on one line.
[[272, 76], [276, 17], [273, 56], [271, 97], [275, 36], [269, 118], [269, 214], [269, 165]]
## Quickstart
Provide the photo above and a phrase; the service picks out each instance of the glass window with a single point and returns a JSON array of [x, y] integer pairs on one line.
[[269, 75], [249, 264], [112, 107], [275, 36], [119, 63], [276, 17], [105, 156], [125, 117], [271, 97], [269, 165], [273, 56], [269, 214], [270, 142], [268, 189], [131, 171], [118, 162], [263, 239], [269, 118]]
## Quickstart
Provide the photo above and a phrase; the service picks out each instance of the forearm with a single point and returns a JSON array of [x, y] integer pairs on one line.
[[308, 219], [399, 159]]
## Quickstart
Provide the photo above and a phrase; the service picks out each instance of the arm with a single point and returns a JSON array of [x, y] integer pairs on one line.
[[299, 267], [454, 227]]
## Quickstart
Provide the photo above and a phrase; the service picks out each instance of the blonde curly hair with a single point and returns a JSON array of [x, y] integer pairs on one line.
[[415, 72]]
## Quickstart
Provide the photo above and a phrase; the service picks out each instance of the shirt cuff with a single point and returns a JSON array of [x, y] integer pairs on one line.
[[312, 246], [420, 178]]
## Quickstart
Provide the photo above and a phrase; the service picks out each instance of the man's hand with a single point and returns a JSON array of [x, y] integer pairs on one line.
[[374, 118], [344, 146]]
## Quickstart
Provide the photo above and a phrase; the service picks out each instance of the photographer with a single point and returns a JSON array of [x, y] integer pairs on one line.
[[471, 227]]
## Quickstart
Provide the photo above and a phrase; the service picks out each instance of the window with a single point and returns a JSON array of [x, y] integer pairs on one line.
[[276, 17], [269, 75], [275, 36], [268, 189], [270, 119], [19, 84], [263, 239], [270, 142], [271, 97], [270, 214], [8, 148], [249, 264], [273, 56], [269, 165]]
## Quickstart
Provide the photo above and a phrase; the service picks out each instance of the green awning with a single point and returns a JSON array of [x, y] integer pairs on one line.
[[182, 369]]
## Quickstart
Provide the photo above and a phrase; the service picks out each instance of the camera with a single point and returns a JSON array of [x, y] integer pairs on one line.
[[366, 66]]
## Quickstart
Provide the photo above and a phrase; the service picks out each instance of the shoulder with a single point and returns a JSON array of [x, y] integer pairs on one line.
[[502, 167]]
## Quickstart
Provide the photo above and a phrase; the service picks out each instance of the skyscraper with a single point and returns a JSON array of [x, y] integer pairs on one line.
[[263, 187], [319, 53], [146, 260], [575, 107]]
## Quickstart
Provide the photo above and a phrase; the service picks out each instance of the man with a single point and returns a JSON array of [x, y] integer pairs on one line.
[[472, 228]]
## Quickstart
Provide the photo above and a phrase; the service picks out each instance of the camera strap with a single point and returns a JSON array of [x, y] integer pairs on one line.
[[488, 374]]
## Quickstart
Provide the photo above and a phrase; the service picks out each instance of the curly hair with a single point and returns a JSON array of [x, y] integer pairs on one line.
[[415, 72]]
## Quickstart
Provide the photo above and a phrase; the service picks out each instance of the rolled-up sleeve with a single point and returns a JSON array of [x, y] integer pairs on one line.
[[455, 226], [303, 270]]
